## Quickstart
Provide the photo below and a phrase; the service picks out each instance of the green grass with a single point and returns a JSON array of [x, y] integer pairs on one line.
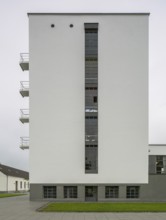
[[4, 195], [105, 207]]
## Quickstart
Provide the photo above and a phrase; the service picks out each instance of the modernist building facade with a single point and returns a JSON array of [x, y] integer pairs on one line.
[[89, 109]]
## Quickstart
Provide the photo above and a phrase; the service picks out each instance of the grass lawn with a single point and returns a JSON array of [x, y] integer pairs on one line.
[[105, 207], [4, 195]]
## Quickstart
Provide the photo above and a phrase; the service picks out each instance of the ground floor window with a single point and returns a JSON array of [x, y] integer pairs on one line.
[[70, 191], [132, 192], [49, 191], [111, 192], [91, 193]]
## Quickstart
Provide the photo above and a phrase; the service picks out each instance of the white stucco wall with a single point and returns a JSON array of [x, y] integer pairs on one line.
[[3, 185], [57, 143], [12, 184], [8, 183]]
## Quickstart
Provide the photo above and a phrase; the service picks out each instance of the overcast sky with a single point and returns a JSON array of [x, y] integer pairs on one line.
[[14, 40]]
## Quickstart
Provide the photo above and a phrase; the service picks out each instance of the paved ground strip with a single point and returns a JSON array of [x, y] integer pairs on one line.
[[20, 208]]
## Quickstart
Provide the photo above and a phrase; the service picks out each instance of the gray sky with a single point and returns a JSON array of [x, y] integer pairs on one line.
[[14, 39]]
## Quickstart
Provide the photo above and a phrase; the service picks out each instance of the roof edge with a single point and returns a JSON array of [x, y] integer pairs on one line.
[[153, 145], [89, 13], [11, 171]]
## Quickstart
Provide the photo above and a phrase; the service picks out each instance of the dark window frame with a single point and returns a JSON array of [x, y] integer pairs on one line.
[[49, 192], [160, 164], [70, 192], [132, 192], [111, 191]]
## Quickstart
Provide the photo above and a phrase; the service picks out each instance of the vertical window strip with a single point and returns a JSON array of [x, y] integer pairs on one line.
[[91, 100]]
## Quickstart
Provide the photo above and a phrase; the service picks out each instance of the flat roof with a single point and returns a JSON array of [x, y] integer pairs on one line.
[[157, 145], [82, 13]]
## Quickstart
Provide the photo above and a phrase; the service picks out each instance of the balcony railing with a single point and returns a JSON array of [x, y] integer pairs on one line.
[[24, 118], [91, 138], [24, 61], [91, 109], [24, 88], [24, 143]]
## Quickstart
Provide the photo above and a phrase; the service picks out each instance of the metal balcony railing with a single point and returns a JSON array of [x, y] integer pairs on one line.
[[24, 88], [24, 118], [24, 143], [24, 57], [91, 138], [24, 85], [24, 61]]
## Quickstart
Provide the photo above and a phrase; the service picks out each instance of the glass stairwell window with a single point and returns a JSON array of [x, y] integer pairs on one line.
[[91, 100]]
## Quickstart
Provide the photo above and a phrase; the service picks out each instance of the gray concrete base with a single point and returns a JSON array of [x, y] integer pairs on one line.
[[153, 191]]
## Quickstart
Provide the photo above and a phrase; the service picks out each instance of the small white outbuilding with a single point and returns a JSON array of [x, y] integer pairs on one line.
[[13, 180]]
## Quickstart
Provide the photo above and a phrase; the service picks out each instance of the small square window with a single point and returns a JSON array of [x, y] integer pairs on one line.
[[49, 191], [70, 191], [132, 192], [111, 192]]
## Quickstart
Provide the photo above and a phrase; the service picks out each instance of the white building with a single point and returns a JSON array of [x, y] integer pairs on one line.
[[89, 107], [13, 180]]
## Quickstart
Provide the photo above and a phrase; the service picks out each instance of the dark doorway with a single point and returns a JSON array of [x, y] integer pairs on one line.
[[90, 193], [16, 186]]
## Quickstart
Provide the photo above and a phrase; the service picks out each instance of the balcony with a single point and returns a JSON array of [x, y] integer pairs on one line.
[[24, 118], [24, 143], [24, 88], [24, 61]]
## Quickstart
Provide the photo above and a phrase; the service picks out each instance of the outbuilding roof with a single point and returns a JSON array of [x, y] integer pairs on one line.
[[10, 171]]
